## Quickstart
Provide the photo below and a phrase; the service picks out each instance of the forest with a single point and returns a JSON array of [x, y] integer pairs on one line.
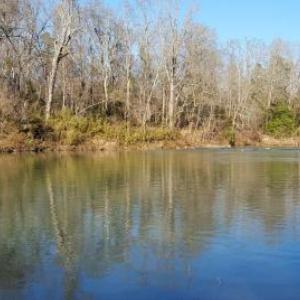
[[143, 71]]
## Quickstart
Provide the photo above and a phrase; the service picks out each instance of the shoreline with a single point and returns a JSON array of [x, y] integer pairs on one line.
[[183, 143]]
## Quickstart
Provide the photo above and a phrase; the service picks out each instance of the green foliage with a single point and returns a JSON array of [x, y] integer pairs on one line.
[[137, 135], [69, 129], [73, 137], [281, 121], [133, 135], [73, 130], [230, 136]]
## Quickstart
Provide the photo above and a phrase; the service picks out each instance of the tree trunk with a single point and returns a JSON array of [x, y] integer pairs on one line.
[[52, 80], [171, 104], [163, 107], [106, 93], [127, 108]]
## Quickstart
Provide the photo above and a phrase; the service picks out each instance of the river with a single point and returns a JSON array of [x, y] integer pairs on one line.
[[192, 224]]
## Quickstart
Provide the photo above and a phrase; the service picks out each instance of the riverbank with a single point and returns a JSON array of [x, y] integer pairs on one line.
[[136, 138], [21, 143], [67, 132]]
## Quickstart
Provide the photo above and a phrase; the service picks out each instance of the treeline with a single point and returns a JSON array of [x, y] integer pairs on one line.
[[143, 63]]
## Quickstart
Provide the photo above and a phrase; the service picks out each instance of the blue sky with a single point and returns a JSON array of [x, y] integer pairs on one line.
[[240, 19], [262, 19]]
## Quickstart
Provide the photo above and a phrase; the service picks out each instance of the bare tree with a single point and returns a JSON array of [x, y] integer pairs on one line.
[[153, 64], [64, 15]]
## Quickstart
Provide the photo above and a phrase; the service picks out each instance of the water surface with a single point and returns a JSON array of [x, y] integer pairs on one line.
[[217, 224]]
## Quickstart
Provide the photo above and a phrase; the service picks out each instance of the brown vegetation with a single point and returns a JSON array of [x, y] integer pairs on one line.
[[79, 73]]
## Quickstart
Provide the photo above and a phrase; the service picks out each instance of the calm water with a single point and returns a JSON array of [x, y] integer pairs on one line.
[[216, 224]]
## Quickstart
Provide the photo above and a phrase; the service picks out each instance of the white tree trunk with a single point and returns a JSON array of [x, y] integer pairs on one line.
[[172, 104], [52, 81]]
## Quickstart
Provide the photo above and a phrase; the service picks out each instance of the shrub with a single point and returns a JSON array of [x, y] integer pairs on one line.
[[70, 129], [281, 121], [230, 136], [73, 137], [36, 128]]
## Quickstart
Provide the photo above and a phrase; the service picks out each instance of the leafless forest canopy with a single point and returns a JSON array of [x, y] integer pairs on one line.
[[146, 63]]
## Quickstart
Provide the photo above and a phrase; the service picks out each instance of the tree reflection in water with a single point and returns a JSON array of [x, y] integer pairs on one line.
[[147, 217]]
